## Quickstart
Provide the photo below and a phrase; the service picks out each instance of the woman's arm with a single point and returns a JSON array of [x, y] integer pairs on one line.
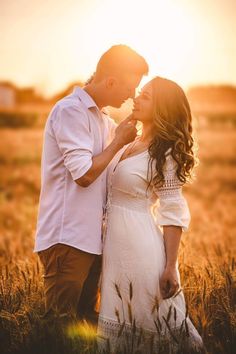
[[169, 283], [173, 215]]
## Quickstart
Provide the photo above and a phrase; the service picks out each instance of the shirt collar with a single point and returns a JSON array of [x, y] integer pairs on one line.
[[84, 97]]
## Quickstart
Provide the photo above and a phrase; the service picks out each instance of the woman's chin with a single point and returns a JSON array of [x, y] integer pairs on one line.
[[136, 116]]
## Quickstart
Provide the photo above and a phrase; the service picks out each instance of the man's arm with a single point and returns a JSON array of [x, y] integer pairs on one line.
[[124, 134]]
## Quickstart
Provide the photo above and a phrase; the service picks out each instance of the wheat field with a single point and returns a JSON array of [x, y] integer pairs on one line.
[[206, 257]]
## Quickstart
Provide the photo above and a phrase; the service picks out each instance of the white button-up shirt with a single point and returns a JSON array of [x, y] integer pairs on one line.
[[76, 130]]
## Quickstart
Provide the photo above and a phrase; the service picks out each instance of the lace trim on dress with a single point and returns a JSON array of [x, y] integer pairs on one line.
[[172, 185], [124, 335]]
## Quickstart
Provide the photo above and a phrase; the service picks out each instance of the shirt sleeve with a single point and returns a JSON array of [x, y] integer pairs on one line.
[[173, 208], [74, 140]]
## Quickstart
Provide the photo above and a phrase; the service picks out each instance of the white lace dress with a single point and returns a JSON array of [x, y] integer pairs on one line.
[[134, 259]]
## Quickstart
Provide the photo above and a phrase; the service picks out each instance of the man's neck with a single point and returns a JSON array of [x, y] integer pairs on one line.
[[94, 94]]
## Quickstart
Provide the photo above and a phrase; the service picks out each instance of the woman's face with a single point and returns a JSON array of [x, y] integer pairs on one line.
[[143, 105]]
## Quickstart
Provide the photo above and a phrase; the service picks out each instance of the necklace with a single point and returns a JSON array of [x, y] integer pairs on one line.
[[130, 149]]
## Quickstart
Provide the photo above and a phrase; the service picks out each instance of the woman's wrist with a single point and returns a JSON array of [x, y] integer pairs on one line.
[[171, 266]]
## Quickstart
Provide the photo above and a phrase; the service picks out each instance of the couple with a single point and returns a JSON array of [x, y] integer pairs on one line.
[[92, 167]]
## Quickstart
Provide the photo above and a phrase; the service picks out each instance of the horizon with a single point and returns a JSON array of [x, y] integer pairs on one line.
[[51, 96]]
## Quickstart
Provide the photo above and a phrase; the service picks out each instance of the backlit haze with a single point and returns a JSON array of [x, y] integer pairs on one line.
[[50, 43]]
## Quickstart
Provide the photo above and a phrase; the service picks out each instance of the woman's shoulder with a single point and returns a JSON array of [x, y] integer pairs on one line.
[[170, 165]]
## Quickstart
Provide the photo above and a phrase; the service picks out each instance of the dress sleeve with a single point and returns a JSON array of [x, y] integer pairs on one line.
[[173, 208], [74, 140]]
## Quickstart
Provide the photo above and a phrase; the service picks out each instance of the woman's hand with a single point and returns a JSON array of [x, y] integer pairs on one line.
[[169, 283]]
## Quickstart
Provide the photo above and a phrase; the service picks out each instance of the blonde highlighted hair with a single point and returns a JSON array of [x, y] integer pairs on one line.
[[173, 131]]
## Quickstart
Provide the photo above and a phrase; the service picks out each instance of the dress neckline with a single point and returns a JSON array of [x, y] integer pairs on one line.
[[134, 155]]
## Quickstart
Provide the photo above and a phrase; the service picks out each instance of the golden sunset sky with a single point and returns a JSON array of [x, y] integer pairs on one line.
[[51, 43]]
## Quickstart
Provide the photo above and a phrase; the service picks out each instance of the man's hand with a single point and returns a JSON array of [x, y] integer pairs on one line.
[[124, 134], [169, 283], [126, 131]]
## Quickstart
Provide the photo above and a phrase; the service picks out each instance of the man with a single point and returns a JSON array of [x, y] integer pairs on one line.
[[78, 147]]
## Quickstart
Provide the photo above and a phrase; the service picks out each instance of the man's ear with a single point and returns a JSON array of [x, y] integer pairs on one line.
[[111, 81]]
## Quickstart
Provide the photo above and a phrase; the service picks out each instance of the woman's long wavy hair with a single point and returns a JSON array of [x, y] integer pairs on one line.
[[173, 131]]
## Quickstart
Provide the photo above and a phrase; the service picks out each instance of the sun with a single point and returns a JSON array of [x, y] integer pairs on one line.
[[159, 30]]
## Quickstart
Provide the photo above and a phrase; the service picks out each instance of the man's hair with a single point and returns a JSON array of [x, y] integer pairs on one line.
[[120, 60]]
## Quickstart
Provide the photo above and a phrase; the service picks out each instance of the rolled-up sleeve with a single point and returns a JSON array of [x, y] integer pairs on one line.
[[173, 208], [74, 140]]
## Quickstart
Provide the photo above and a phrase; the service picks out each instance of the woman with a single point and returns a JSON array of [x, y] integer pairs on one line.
[[141, 299]]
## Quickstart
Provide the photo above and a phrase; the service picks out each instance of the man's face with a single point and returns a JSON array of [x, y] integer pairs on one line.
[[123, 89]]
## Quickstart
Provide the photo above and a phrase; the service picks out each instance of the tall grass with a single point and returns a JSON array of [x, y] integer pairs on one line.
[[206, 257]]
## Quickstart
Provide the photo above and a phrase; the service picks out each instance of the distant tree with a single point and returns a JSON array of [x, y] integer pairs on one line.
[[67, 91], [225, 94]]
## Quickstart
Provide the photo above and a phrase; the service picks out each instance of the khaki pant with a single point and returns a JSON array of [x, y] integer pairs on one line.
[[71, 279]]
